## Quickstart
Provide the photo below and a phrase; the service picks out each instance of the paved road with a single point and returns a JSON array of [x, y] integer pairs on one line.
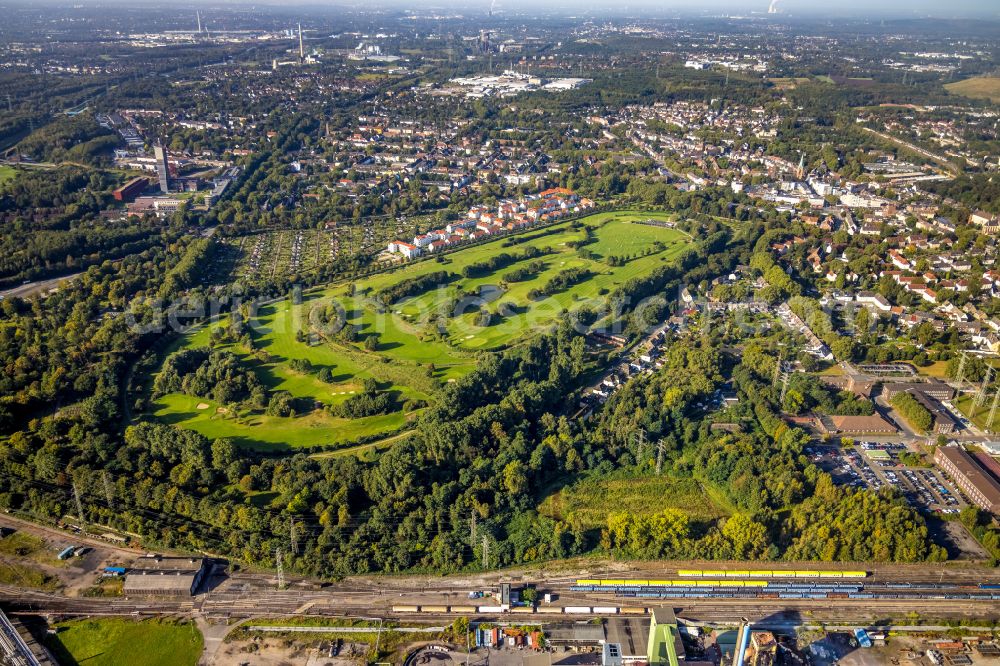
[[40, 286]]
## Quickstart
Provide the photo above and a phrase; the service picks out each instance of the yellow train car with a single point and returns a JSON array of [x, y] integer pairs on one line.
[[690, 573], [522, 610], [433, 609], [406, 609], [550, 610], [632, 610], [463, 609]]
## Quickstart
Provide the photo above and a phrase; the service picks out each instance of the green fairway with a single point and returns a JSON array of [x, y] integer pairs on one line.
[[614, 234], [416, 332], [123, 642]]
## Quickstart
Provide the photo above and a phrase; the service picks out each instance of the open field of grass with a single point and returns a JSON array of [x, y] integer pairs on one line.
[[124, 642], [26, 575], [978, 415], [979, 87], [7, 173], [590, 500], [416, 332]]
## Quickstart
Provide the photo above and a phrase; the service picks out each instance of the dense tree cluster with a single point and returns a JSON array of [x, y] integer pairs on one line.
[[918, 416], [369, 402], [71, 139], [205, 373]]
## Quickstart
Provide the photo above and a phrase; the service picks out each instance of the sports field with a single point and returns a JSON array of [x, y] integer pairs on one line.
[[422, 340], [124, 642]]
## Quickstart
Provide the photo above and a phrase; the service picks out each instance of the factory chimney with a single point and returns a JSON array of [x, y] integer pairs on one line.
[[302, 52]]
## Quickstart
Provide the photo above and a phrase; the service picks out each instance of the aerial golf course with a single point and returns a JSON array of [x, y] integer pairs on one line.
[[409, 330]]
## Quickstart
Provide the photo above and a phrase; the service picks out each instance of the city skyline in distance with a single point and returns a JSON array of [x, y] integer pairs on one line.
[[790, 8]]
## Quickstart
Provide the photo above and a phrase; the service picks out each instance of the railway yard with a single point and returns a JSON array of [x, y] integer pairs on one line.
[[783, 598]]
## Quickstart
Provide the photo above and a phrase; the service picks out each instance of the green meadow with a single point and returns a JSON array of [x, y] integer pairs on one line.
[[419, 341], [124, 642]]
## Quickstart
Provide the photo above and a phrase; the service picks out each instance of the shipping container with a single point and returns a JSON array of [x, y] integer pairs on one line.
[[66, 552]]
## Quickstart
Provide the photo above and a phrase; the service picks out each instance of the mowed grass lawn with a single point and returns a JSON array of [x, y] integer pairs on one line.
[[123, 642], [590, 500], [979, 87], [408, 333]]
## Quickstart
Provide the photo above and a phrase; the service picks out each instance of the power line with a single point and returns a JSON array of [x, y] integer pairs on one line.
[[79, 504], [981, 393], [993, 409], [281, 568]]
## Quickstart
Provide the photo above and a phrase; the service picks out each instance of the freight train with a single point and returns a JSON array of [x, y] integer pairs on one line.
[[522, 610]]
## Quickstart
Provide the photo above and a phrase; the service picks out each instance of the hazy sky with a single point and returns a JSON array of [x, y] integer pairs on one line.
[[855, 8]]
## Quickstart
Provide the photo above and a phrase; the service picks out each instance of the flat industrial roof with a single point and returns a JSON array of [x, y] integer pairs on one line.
[[180, 582], [632, 633], [175, 564], [976, 475]]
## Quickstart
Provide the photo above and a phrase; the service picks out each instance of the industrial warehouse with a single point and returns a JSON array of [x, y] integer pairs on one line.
[[974, 480], [158, 576]]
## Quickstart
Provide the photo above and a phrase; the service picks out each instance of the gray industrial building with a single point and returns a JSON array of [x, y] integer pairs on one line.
[[162, 167], [159, 576]]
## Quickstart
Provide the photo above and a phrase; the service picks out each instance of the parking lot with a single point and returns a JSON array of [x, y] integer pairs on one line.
[[875, 465]]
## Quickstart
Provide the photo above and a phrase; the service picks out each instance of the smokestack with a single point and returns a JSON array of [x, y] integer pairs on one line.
[[773, 7], [198, 14], [302, 52]]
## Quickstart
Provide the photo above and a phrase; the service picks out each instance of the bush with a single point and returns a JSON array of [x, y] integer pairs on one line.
[[281, 404]]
